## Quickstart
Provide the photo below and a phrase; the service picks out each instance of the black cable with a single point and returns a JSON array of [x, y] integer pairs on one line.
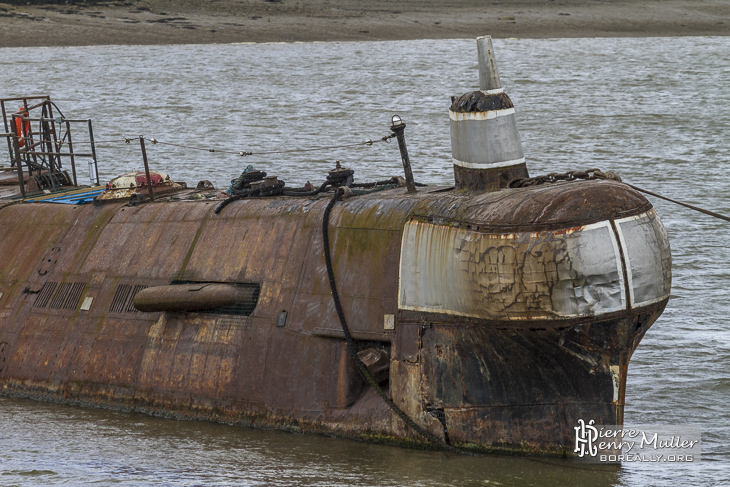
[[225, 203], [430, 437], [592, 174], [392, 180], [696, 208], [368, 142], [304, 192], [57, 109]]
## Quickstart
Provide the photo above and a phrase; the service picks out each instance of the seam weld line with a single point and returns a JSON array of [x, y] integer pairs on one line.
[[480, 116], [487, 165]]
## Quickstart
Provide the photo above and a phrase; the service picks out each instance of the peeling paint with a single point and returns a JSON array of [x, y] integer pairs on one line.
[[616, 376], [648, 258], [514, 276], [510, 261]]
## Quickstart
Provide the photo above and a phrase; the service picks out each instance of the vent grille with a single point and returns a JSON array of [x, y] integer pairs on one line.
[[130, 305], [45, 295], [241, 308], [74, 296], [120, 298], [64, 296], [123, 301], [60, 295]]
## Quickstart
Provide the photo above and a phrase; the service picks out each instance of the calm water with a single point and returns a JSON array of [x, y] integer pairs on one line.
[[655, 110]]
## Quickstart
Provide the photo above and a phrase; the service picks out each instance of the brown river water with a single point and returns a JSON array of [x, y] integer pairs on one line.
[[655, 110]]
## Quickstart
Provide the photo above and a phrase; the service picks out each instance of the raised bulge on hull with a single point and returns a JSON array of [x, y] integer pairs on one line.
[[495, 314], [527, 317]]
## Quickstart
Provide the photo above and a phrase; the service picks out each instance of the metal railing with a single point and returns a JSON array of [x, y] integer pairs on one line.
[[41, 141]]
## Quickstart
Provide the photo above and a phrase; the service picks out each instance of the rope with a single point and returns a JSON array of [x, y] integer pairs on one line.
[[351, 342], [360, 192], [696, 208], [244, 153], [376, 187], [304, 192], [225, 203], [591, 174], [113, 141]]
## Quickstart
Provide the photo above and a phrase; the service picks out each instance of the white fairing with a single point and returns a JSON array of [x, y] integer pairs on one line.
[[563, 274], [648, 259], [590, 280]]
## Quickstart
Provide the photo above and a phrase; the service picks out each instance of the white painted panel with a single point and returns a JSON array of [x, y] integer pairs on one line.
[[517, 276], [648, 258]]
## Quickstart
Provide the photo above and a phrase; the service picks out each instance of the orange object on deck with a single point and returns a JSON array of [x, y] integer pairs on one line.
[[19, 126]]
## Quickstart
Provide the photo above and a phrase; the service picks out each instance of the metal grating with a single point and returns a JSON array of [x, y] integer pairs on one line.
[[130, 304], [74, 296], [60, 296], [119, 303], [123, 301], [45, 295], [64, 296]]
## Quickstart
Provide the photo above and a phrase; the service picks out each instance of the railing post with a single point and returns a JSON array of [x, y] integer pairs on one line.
[[19, 162], [7, 130], [146, 168], [52, 140], [93, 152], [398, 127], [71, 152]]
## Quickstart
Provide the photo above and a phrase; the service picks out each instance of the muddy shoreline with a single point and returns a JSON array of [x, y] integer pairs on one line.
[[136, 22]]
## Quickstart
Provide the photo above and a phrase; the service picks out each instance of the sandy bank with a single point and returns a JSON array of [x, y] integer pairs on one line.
[[95, 22]]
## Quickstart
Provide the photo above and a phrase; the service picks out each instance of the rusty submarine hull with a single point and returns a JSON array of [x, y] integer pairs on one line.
[[493, 315]]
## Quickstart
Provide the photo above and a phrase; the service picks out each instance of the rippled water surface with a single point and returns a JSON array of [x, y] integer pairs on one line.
[[657, 111]]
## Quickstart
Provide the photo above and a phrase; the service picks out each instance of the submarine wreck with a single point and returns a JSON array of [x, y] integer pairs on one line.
[[489, 316]]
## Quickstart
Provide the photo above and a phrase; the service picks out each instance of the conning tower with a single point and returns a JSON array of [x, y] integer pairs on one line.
[[485, 142]]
